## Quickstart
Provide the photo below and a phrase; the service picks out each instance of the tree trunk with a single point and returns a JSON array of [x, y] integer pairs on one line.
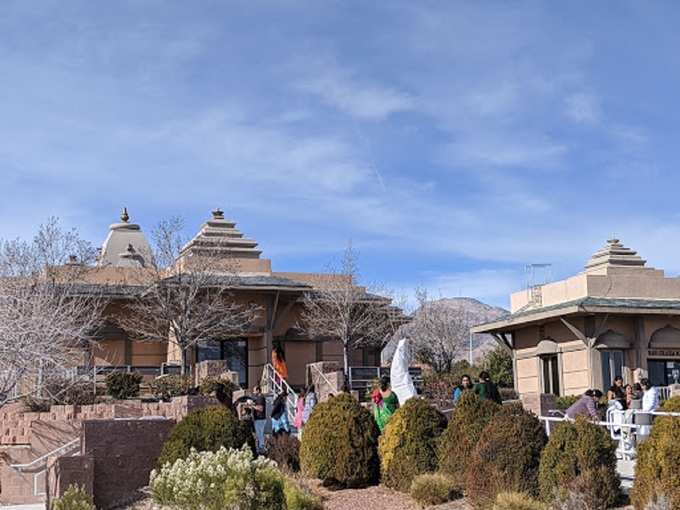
[[185, 362], [345, 359]]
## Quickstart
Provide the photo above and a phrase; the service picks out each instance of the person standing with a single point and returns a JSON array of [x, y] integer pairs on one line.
[[465, 384], [299, 412], [586, 406], [259, 418], [385, 403], [616, 392], [279, 361], [486, 389], [280, 424], [650, 402], [310, 402]]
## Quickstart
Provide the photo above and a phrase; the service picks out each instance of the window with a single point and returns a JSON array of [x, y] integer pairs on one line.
[[612, 366], [234, 351], [551, 374]]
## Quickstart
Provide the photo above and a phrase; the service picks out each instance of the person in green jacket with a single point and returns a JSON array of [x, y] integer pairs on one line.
[[385, 403], [486, 389]]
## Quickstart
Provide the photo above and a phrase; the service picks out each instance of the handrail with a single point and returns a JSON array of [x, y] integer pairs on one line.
[[323, 376], [43, 458], [270, 375]]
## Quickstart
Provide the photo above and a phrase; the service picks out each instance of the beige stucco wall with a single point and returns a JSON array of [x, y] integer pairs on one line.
[[575, 371], [148, 354], [527, 374]]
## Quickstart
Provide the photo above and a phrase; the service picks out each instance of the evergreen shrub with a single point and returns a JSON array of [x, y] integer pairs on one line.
[[206, 429], [75, 498], [657, 473], [285, 451], [298, 498], [583, 455], [122, 385], [433, 489], [506, 458], [340, 443], [459, 439], [172, 385], [408, 446]]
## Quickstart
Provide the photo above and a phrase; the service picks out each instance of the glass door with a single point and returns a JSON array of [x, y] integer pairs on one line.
[[235, 352]]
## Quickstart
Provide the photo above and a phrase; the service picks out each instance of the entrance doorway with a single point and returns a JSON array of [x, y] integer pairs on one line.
[[234, 351], [664, 372]]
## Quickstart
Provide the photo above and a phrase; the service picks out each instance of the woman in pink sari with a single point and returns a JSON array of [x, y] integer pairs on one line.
[[299, 411]]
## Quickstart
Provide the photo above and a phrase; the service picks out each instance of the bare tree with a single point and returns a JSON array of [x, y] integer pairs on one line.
[[47, 315], [439, 332], [339, 308], [186, 300]]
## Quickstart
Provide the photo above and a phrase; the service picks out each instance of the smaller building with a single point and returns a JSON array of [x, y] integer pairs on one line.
[[617, 317]]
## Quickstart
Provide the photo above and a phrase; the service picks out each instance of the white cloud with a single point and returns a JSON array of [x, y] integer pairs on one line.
[[582, 108], [358, 97]]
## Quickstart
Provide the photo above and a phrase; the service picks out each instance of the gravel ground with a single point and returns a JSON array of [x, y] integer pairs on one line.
[[372, 498]]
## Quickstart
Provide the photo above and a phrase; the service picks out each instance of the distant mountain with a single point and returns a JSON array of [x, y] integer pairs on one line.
[[477, 313]]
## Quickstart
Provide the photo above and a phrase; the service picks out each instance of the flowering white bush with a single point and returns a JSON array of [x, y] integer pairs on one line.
[[222, 480]]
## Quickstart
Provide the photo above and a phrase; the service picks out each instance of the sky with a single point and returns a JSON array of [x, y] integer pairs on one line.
[[452, 142]]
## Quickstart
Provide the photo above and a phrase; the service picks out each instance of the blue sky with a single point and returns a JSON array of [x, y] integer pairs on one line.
[[453, 142]]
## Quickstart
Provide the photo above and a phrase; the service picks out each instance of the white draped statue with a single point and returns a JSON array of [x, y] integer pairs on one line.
[[400, 379]]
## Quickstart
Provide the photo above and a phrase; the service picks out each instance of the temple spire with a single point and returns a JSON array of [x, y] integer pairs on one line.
[[614, 254], [125, 217]]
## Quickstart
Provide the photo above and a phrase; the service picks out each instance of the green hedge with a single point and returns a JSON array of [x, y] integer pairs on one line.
[[506, 458], [340, 443], [205, 429], [657, 473], [580, 449], [459, 439], [408, 446]]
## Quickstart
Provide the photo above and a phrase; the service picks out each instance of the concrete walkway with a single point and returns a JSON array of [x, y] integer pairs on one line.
[[37, 506]]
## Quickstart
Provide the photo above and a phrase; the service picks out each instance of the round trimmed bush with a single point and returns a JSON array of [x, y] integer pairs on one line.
[[459, 439], [433, 489], [580, 449], [507, 456], [656, 473], [408, 446], [206, 429], [340, 443]]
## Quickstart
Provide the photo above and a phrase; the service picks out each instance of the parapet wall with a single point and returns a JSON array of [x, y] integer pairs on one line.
[[18, 426]]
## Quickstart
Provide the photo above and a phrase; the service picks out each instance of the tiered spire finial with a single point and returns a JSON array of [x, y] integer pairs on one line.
[[125, 217], [614, 254]]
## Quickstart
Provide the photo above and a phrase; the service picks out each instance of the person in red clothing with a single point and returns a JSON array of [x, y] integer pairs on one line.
[[279, 360]]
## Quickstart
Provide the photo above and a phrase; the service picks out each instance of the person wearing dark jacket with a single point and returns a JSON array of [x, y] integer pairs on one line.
[[279, 415], [486, 389]]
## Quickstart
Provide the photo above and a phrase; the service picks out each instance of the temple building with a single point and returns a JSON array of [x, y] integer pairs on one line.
[[123, 264], [616, 317]]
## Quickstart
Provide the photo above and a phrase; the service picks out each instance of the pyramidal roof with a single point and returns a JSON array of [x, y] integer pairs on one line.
[[220, 237], [125, 246], [614, 254]]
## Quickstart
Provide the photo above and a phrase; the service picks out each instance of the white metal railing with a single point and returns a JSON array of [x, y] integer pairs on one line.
[[619, 423], [38, 467], [664, 392], [320, 372], [273, 382]]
